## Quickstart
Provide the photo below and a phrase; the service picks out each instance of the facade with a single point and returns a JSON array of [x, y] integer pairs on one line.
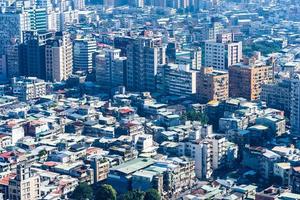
[[28, 88], [295, 105], [246, 79], [59, 57], [83, 50], [110, 68], [25, 185], [212, 85], [222, 53]]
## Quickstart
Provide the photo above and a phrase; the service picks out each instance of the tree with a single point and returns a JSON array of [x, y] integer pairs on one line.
[[83, 192], [152, 194], [133, 195], [106, 192]]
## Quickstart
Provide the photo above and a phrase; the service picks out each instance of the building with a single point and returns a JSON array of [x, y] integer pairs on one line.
[[144, 54], [59, 57], [177, 80], [246, 79], [28, 88], [25, 185], [193, 57], [83, 50], [12, 58], [37, 18], [277, 95], [212, 85], [295, 105], [101, 168], [12, 25], [110, 66], [32, 60], [223, 52]]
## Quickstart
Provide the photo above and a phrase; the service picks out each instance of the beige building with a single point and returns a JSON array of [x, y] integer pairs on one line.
[[212, 85], [59, 57], [25, 186], [100, 167], [246, 79]]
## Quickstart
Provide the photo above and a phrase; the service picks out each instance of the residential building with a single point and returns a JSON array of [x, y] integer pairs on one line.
[[12, 25], [246, 79], [101, 168], [177, 80], [25, 185], [277, 95], [295, 105], [59, 57], [223, 52], [212, 85], [110, 66], [144, 54], [28, 88]]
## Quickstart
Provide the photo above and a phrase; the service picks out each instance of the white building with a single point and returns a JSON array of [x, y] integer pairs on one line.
[[28, 88], [223, 52], [178, 80], [59, 57]]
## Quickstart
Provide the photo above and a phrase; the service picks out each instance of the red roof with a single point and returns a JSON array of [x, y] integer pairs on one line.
[[5, 180], [50, 164], [125, 110]]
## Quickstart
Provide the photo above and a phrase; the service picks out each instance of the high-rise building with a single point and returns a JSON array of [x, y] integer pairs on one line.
[[25, 185], [83, 50], [177, 80], [59, 57], [32, 53], [223, 52], [110, 68], [12, 25], [278, 95], [12, 58], [37, 18], [190, 56], [295, 105], [79, 4], [246, 79], [207, 31], [144, 54], [212, 85]]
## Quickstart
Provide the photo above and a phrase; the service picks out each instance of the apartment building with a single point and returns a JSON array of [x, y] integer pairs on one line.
[[177, 80], [212, 85], [246, 78], [223, 52], [59, 57], [25, 185]]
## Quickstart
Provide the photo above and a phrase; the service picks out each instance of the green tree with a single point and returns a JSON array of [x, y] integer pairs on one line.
[[152, 194], [83, 192], [133, 195], [106, 192]]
